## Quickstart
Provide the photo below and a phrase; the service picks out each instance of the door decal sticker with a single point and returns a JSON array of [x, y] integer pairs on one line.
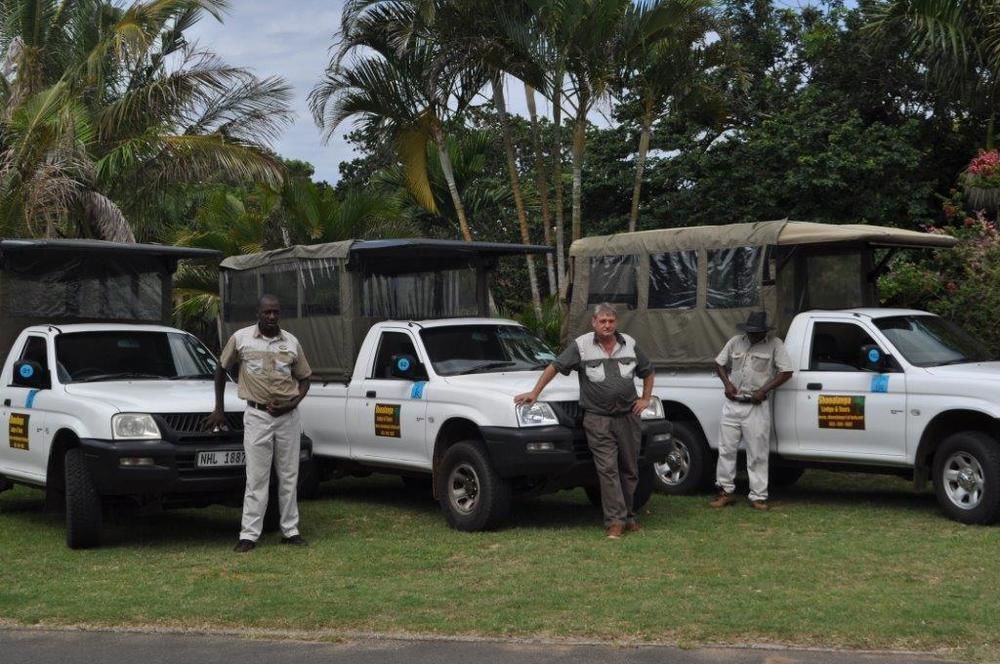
[[841, 411], [387, 420], [17, 431]]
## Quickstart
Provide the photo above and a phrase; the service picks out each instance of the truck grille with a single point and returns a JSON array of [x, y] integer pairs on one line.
[[570, 411], [189, 428]]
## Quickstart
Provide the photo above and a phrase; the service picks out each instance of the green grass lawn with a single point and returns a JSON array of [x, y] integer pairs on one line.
[[840, 560]]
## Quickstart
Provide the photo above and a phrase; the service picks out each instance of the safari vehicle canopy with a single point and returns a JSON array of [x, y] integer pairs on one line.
[[332, 293], [681, 291], [85, 281]]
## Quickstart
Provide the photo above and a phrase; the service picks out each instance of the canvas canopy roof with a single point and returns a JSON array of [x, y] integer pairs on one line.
[[781, 232], [682, 291]]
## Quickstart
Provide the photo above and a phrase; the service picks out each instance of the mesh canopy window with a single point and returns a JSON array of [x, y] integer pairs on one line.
[[86, 288], [613, 279], [309, 288], [834, 281], [673, 280], [732, 277], [420, 294]]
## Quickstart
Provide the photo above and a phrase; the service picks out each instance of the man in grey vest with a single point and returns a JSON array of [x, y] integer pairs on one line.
[[751, 365], [607, 362]]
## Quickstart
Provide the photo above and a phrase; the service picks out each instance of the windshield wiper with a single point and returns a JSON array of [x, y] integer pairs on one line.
[[485, 366], [118, 376], [205, 376], [542, 365]]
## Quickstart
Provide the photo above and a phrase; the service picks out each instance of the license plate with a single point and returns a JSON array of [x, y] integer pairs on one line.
[[227, 458]]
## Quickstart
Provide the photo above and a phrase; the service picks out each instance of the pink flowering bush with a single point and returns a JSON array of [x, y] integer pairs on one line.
[[984, 170]]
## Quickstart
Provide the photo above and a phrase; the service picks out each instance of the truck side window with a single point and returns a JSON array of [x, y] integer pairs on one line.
[[837, 347], [36, 350], [391, 343]]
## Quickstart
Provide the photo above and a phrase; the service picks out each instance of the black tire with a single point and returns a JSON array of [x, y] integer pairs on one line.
[[967, 477], [471, 494], [593, 495], [272, 515], [83, 504], [689, 467], [645, 487], [782, 477], [309, 480]]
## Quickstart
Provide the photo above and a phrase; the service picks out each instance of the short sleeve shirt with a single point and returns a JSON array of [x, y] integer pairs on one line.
[[752, 366], [270, 367], [607, 381]]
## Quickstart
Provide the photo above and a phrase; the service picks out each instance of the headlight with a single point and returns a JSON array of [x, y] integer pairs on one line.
[[654, 411], [538, 414], [131, 426]]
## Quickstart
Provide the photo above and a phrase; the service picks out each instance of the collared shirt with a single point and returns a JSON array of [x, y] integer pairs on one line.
[[607, 380], [270, 367], [752, 366]]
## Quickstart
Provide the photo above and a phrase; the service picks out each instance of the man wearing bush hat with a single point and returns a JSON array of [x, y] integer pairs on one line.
[[751, 365]]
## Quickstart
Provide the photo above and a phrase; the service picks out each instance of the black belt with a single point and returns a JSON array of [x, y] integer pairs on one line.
[[258, 406]]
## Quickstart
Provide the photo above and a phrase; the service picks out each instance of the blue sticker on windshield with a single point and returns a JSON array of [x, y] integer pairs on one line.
[[403, 364], [880, 383], [26, 371], [873, 355], [29, 401], [417, 391]]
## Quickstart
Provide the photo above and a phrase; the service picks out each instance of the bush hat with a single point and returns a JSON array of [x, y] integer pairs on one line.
[[756, 322]]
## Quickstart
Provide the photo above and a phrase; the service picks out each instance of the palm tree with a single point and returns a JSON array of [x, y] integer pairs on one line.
[[106, 108], [664, 58], [396, 81], [957, 40]]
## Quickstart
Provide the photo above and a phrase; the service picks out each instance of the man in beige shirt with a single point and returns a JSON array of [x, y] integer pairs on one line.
[[274, 378]]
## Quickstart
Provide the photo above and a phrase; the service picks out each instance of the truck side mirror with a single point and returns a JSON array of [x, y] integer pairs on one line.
[[407, 367], [873, 359], [28, 373]]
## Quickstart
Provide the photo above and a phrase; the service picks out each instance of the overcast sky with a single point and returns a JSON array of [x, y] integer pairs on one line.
[[287, 38]]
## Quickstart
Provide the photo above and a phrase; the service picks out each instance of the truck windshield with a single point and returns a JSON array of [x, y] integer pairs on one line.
[[929, 341], [466, 349], [85, 357]]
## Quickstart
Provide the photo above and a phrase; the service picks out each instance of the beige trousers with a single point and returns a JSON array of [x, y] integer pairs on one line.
[[266, 439], [752, 423]]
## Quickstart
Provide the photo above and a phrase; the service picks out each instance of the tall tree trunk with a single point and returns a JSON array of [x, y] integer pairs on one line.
[[541, 183], [579, 143], [515, 187], [449, 176], [640, 162], [557, 168]]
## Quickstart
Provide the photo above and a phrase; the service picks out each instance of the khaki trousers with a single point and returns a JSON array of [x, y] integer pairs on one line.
[[266, 439], [615, 442], [752, 423]]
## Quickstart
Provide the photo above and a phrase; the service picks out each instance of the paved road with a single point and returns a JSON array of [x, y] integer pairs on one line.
[[93, 647]]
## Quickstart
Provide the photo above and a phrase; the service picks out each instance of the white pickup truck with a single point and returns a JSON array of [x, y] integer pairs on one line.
[[98, 412], [434, 399], [883, 390], [875, 390], [100, 403]]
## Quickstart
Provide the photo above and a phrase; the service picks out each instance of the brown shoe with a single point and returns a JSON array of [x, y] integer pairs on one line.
[[614, 531], [759, 505], [632, 527], [723, 499]]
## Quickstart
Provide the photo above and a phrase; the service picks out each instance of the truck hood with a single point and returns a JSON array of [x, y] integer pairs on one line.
[[156, 396], [562, 388], [974, 371]]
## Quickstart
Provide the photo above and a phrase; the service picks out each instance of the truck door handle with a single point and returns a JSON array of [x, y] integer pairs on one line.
[[6, 402], [370, 394], [814, 386]]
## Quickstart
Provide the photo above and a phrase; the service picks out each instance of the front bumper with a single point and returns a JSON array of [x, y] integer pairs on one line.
[[174, 471], [566, 458]]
